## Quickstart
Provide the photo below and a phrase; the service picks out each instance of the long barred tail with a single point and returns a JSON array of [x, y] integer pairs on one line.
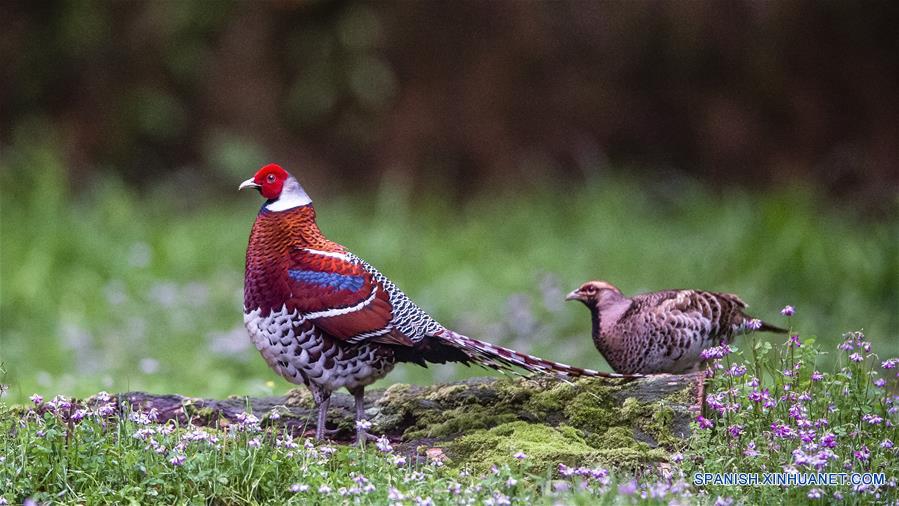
[[499, 358]]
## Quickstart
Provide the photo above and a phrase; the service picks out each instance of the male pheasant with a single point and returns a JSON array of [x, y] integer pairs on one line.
[[323, 317], [662, 332]]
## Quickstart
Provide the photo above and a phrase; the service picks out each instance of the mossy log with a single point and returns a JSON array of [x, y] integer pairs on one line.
[[483, 421]]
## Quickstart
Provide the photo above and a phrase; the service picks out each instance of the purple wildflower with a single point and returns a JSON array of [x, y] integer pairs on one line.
[[363, 424], [78, 415], [299, 487], [735, 431], [36, 399], [890, 364], [520, 455], [677, 458], [782, 430], [383, 444], [565, 470], [817, 376], [715, 352], [880, 382], [399, 460], [324, 489], [862, 453], [886, 444], [794, 341], [627, 488], [807, 436], [737, 370], [872, 419], [178, 459], [750, 450], [814, 493], [829, 440], [704, 423], [788, 310], [855, 357]]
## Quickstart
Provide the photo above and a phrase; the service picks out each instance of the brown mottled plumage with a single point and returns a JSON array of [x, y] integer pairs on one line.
[[665, 331]]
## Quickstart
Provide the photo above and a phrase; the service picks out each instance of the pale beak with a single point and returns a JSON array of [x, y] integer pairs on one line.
[[249, 183], [575, 295]]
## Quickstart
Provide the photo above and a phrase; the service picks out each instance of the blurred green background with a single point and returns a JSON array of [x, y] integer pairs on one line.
[[487, 156]]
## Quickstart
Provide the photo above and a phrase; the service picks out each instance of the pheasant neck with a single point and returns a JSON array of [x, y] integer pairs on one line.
[[293, 228], [598, 340]]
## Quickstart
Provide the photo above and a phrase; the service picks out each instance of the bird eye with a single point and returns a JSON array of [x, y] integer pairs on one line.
[[270, 178]]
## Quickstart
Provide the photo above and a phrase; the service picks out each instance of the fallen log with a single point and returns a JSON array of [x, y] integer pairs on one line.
[[483, 421]]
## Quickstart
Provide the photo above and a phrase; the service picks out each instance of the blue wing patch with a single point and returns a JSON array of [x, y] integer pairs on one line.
[[338, 281]]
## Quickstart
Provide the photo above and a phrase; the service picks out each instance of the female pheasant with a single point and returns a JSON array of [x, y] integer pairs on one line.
[[323, 317], [662, 332]]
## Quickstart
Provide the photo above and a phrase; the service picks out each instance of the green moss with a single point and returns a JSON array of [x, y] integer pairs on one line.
[[614, 438], [457, 421], [685, 396], [545, 447], [301, 397], [659, 426]]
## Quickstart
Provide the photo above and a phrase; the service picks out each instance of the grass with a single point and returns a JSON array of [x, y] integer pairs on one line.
[[768, 412], [111, 289]]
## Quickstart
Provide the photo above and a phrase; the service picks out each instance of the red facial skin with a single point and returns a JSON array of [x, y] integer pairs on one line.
[[271, 180]]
